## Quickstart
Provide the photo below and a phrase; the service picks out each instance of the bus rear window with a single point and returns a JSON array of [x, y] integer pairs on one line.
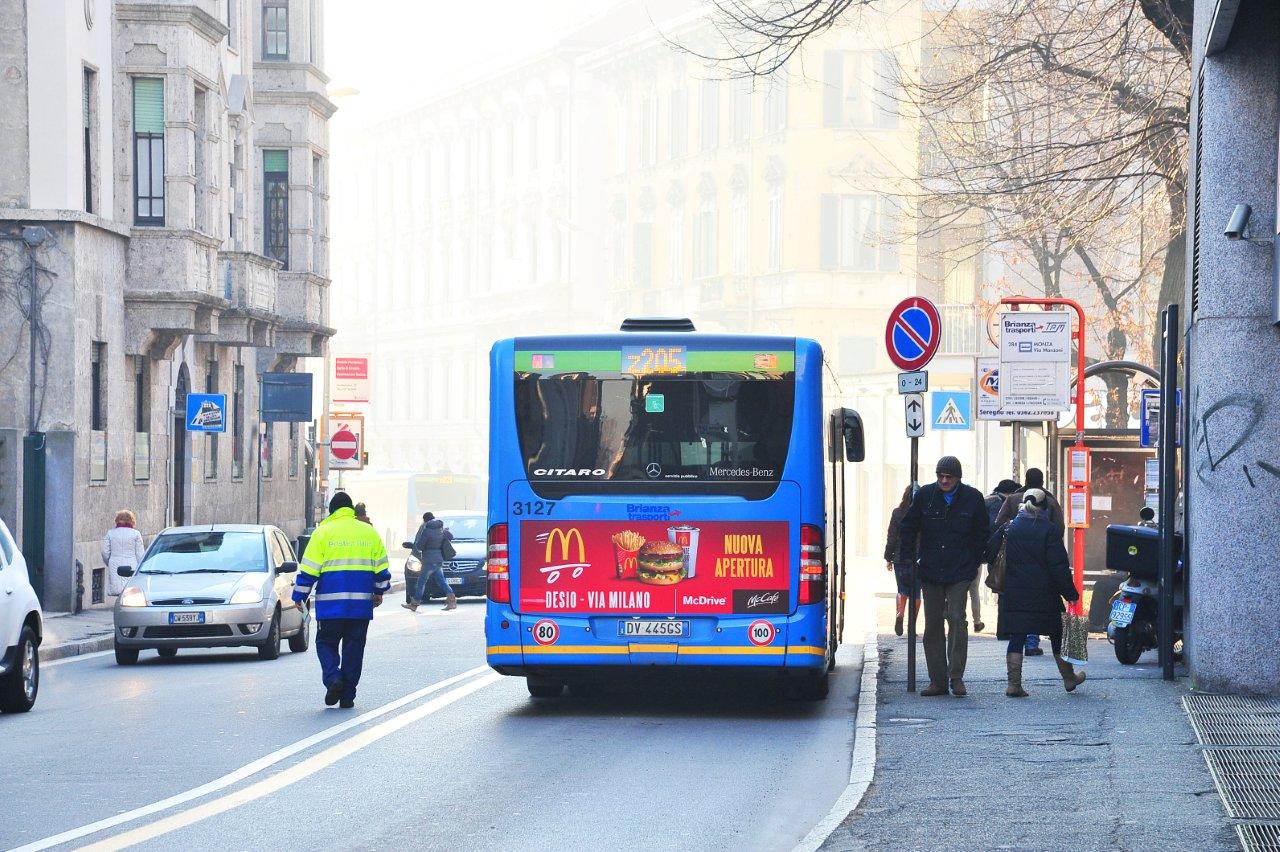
[[698, 433]]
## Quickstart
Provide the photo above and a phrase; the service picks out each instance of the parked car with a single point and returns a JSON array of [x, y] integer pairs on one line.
[[21, 630], [467, 573], [211, 586]]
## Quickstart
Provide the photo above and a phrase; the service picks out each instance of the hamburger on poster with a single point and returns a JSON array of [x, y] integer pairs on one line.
[[661, 563]]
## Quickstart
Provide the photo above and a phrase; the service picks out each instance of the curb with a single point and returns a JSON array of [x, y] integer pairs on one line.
[[863, 768], [105, 642]]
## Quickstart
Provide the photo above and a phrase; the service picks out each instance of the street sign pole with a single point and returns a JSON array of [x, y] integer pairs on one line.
[[1167, 450], [258, 511], [911, 337]]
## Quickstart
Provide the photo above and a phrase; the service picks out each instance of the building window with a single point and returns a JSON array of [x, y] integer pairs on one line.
[[621, 134], [705, 235], [648, 130], [678, 124], [710, 115], [740, 109], [275, 194], [211, 439], [740, 236], [775, 102], [560, 134], [267, 461], [860, 89], [141, 418], [860, 233], [88, 97], [775, 231], [275, 29], [98, 387], [533, 142], [642, 254], [237, 422], [318, 192], [293, 449], [148, 151]]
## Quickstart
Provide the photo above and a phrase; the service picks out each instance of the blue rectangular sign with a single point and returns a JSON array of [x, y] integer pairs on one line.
[[206, 412], [286, 398], [1150, 408], [951, 410]]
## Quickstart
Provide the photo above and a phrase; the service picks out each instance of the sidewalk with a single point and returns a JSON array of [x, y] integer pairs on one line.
[[89, 631], [1114, 765]]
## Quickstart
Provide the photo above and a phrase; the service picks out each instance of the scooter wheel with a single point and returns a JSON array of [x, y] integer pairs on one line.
[[1128, 645]]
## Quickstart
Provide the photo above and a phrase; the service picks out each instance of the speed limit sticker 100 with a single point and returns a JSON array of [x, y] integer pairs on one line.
[[761, 633], [546, 632]]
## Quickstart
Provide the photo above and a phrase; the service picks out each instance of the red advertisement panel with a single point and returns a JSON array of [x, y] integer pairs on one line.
[[658, 568]]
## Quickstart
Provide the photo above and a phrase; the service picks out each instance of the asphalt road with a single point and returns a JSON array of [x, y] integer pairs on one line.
[[439, 752]]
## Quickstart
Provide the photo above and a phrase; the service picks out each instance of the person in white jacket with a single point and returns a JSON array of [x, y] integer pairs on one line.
[[121, 546]]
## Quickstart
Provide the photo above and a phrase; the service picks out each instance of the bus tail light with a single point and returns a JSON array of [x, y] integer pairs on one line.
[[499, 571], [813, 566]]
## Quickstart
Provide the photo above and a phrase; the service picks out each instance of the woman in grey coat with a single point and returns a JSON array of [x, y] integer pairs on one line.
[[428, 545]]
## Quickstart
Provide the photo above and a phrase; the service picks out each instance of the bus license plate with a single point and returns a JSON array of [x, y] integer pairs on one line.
[[1122, 613], [186, 618], [454, 581], [633, 627]]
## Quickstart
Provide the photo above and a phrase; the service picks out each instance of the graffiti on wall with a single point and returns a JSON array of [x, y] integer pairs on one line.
[[1230, 432]]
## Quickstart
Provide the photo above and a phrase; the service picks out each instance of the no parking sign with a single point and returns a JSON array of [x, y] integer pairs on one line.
[[913, 333]]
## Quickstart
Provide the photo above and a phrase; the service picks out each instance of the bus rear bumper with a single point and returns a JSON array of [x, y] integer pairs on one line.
[[591, 642]]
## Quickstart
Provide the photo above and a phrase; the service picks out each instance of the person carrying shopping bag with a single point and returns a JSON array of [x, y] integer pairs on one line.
[[1037, 578]]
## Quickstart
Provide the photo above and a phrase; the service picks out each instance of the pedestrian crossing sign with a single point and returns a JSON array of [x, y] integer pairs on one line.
[[951, 410]]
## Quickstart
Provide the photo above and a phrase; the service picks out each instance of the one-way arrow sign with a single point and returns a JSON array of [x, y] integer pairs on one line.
[[914, 405]]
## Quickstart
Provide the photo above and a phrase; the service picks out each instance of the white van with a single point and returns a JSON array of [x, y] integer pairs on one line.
[[21, 628]]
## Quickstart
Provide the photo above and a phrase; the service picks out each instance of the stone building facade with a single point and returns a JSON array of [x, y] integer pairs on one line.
[[169, 160], [1232, 347]]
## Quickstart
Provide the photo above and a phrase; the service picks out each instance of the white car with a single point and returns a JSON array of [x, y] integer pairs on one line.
[[21, 629]]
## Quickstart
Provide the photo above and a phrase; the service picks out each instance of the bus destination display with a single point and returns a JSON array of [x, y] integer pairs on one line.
[[654, 360]]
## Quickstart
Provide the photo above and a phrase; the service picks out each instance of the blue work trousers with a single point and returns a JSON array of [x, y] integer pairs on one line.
[[340, 647]]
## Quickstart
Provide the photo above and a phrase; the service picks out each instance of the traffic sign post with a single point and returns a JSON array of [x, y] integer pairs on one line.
[[345, 441], [912, 336]]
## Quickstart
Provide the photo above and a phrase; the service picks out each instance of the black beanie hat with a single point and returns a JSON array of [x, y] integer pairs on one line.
[[950, 465], [1006, 486], [341, 500]]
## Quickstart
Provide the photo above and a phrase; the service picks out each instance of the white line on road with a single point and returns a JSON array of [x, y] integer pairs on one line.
[[292, 775], [64, 660], [864, 751], [245, 771]]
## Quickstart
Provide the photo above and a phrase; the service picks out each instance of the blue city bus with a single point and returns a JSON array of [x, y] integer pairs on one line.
[[661, 497]]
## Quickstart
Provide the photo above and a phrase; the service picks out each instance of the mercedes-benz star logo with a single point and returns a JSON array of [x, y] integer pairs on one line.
[[654, 470]]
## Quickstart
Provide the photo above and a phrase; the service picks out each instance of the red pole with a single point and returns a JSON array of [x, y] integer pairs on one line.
[[1077, 541]]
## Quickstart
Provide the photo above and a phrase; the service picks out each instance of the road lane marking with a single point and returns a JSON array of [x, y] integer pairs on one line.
[[289, 776], [863, 768], [64, 660], [247, 770]]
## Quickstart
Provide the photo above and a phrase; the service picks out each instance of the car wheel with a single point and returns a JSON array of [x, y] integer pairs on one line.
[[126, 656], [301, 640], [19, 687], [542, 687], [167, 653], [270, 649], [814, 687]]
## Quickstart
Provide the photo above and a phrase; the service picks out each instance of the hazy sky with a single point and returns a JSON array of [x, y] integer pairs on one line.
[[399, 52]]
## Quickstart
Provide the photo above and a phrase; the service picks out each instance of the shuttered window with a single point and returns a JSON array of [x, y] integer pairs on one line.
[[148, 150]]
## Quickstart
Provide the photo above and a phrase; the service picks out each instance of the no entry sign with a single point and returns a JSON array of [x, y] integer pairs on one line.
[[913, 333], [346, 439]]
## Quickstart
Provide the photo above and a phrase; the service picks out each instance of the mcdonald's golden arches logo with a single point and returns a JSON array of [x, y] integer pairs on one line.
[[565, 538]]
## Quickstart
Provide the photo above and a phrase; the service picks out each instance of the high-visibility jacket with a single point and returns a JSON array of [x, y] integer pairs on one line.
[[346, 565]]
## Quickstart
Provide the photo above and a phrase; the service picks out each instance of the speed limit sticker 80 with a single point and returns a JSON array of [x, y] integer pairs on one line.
[[761, 633], [546, 632]]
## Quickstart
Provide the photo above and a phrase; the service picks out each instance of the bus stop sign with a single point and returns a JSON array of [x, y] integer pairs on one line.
[[913, 333]]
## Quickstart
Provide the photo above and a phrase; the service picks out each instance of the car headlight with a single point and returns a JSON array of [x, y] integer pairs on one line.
[[247, 595], [133, 596]]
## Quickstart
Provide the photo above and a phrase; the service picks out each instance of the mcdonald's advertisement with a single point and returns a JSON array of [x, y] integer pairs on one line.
[[658, 568]]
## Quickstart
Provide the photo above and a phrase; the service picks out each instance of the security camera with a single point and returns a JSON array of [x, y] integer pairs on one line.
[[1238, 223]]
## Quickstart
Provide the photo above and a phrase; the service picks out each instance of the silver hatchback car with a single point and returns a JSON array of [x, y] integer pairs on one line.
[[211, 586]]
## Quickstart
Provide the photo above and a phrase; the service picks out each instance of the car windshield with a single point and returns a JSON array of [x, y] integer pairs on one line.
[[206, 552], [466, 527]]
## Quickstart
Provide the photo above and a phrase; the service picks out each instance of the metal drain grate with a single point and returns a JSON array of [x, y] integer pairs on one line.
[[1236, 704], [1259, 837], [1248, 781], [1224, 729]]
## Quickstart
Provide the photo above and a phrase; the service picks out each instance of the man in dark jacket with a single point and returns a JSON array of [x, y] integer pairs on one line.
[[1009, 511], [950, 521]]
